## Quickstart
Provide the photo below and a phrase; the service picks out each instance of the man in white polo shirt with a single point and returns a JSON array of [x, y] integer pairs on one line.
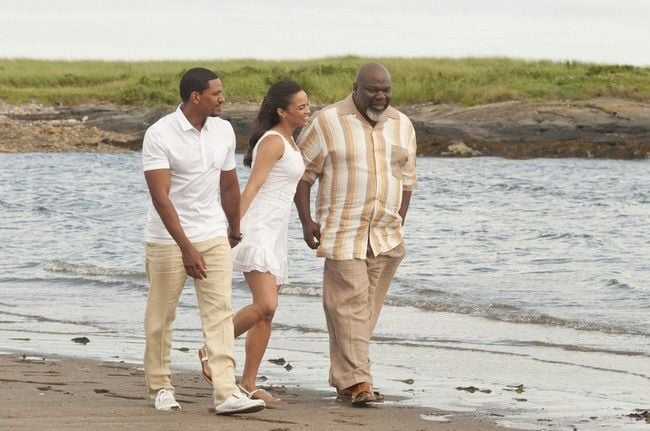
[[188, 159]]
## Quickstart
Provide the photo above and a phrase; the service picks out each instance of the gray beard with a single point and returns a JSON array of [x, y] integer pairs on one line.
[[373, 114]]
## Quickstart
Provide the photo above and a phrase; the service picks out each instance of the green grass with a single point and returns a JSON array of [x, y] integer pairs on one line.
[[467, 82]]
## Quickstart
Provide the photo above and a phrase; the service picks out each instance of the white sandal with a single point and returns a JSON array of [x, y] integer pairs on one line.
[[261, 394]]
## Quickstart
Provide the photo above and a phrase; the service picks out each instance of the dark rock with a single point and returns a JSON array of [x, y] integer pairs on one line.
[[598, 128], [278, 361], [81, 340]]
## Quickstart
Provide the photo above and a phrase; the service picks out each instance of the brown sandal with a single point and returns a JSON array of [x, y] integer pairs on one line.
[[346, 395], [359, 394], [205, 369]]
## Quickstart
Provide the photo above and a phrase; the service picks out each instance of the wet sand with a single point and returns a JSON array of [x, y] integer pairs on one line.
[[73, 394]]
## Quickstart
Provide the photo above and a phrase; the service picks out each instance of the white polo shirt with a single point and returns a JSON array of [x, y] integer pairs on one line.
[[195, 160]]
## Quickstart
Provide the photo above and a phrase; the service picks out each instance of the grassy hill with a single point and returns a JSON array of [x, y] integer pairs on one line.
[[466, 82]]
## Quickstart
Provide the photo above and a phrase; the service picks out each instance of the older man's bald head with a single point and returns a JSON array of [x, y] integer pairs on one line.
[[372, 91], [369, 70]]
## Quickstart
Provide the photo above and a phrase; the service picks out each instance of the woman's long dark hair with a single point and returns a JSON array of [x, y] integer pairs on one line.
[[278, 96]]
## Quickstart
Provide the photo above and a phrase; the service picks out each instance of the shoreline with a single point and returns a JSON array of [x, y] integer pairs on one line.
[[596, 128], [52, 392], [499, 310]]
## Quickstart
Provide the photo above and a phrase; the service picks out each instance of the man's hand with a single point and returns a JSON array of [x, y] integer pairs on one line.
[[234, 239], [194, 263], [311, 234]]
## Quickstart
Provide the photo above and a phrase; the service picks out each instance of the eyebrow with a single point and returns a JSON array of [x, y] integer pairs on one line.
[[379, 87]]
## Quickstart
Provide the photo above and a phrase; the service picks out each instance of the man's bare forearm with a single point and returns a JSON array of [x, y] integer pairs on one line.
[[169, 217], [302, 200], [404, 207], [230, 197]]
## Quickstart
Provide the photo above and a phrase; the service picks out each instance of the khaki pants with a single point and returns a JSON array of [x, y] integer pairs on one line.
[[167, 276], [353, 294]]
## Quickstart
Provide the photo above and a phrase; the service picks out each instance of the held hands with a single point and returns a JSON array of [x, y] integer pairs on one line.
[[311, 234], [234, 239], [194, 263]]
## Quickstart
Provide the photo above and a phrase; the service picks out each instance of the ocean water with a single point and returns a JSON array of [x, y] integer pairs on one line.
[[532, 273]]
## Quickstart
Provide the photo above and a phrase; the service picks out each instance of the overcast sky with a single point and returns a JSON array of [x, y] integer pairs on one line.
[[591, 30]]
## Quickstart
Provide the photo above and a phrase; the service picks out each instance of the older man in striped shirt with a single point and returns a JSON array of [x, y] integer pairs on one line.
[[362, 152]]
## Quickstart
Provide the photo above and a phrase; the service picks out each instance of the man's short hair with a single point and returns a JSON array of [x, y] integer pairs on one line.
[[195, 79]]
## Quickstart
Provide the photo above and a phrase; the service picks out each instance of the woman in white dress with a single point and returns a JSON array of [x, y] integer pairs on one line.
[[266, 201]]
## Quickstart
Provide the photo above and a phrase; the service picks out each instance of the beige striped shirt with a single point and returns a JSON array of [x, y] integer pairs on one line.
[[362, 172]]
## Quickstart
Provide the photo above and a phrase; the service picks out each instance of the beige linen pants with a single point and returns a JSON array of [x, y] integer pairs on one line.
[[167, 276], [353, 294]]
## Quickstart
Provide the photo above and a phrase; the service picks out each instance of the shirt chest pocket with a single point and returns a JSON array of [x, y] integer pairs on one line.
[[185, 162], [215, 153], [398, 159]]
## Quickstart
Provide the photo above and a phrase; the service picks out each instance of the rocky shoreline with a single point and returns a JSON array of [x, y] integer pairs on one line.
[[597, 128]]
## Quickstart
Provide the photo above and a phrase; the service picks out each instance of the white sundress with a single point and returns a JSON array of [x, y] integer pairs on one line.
[[266, 222]]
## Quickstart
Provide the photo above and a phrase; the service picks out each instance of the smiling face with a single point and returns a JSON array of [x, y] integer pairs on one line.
[[372, 91], [297, 112], [210, 100]]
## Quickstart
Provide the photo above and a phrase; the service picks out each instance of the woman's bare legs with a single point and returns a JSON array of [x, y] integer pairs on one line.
[[256, 318]]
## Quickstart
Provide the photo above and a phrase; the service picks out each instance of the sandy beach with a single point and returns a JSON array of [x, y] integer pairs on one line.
[[63, 393]]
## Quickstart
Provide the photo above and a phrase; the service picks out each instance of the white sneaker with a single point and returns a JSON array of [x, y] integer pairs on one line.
[[165, 401], [239, 403]]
